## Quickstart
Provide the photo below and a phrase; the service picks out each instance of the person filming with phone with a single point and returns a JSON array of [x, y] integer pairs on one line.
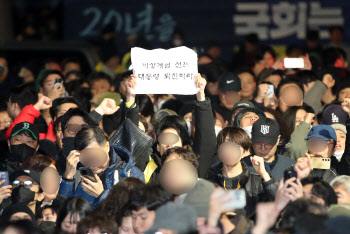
[[103, 166]]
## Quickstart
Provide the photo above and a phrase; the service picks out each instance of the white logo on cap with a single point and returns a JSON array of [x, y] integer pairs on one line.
[[265, 129], [26, 125], [335, 118], [26, 171], [229, 81]]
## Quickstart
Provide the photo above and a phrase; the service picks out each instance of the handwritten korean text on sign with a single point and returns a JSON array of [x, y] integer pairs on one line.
[[162, 71]]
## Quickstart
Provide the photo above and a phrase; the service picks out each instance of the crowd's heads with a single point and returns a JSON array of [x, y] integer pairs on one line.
[[319, 191], [289, 93], [73, 121], [246, 117], [97, 224], [61, 105], [180, 153], [48, 79], [18, 211], [333, 114], [20, 97], [100, 82], [341, 186], [321, 141]]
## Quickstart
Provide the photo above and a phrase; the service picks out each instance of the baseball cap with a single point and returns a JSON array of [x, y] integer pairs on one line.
[[340, 127], [265, 131], [160, 114], [229, 82], [26, 172], [242, 104], [323, 131], [25, 126], [334, 114]]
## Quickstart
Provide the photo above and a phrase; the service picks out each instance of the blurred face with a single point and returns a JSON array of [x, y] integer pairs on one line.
[[71, 67], [344, 93], [143, 219], [24, 137], [101, 86], [229, 98], [248, 119], [248, 86], [26, 75], [341, 137], [342, 194], [126, 226], [230, 153], [49, 215], [96, 157], [70, 223], [274, 79], [49, 84], [299, 117], [308, 195], [70, 131], [5, 120], [20, 216], [64, 108], [290, 95], [268, 60], [319, 147], [168, 139]]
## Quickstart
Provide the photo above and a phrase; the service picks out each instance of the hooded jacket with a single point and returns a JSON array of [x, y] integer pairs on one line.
[[238, 118], [256, 189], [120, 160]]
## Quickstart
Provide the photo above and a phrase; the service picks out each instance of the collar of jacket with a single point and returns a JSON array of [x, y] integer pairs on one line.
[[220, 177]]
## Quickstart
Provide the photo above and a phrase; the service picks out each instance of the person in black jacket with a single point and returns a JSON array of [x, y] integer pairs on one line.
[[265, 138], [232, 173], [171, 131]]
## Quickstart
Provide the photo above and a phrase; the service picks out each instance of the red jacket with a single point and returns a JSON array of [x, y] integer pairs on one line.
[[29, 114]]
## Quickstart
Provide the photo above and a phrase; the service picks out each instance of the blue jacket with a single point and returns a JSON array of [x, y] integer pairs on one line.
[[121, 160]]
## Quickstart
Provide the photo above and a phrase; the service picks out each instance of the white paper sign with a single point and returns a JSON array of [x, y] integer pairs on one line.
[[162, 71]]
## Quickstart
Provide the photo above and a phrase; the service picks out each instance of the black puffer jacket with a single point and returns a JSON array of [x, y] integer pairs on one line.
[[256, 189]]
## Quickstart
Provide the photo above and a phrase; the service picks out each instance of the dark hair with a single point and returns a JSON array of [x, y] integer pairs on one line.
[[306, 76], [75, 112], [57, 123], [262, 51], [237, 135], [76, 206], [312, 35], [84, 96], [70, 60], [297, 208], [23, 226], [149, 196], [58, 102], [38, 162], [105, 224], [267, 72], [186, 154], [88, 135], [289, 117], [246, 70], [118, 197], [24, 95], [45, 73], [323, 190], [75, 73], [333, 28], [175, 122], [145, 105], [289, 80], [100, 76]]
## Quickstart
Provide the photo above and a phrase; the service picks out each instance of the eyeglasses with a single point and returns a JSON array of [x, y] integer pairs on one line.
[[28, 183], [266, 146], [317, 144]]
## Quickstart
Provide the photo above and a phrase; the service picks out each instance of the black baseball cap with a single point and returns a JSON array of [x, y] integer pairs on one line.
[[265, 131], [229, 82], [26, 172], [25, 126]]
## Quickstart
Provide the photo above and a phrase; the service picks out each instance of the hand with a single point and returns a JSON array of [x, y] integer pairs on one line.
[[289, 190], [309, 118], [130, 84], [5, 191], [219, 199], [266, 217], [200, 83], [307, 62], [279, 64], [303, 166], [346, 105], [92, 188], [259, 166], [328, 81], [262, 91], [43, 103], [57, 92], [107, 107], [71, 165]]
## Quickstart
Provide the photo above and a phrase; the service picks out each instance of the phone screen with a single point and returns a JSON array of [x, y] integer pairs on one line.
[[293, 62], [88, 173], [4, 175]]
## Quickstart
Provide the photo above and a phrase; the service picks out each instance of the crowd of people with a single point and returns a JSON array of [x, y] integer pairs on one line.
[[261, 148]]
